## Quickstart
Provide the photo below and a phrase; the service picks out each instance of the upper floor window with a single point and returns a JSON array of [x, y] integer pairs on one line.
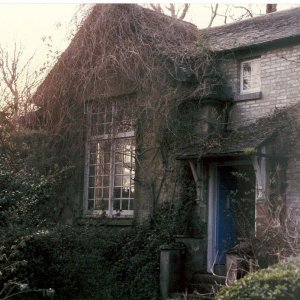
[[250, 76], [110, 166]]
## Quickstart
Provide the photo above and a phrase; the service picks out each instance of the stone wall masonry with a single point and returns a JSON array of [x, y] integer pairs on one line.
[[293, 189], [280, 84], [280, 87]]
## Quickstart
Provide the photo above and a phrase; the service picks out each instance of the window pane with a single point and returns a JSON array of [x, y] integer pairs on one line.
[[91, 194], [255, 67], [131, 204], [123, 119], [92, 170], [125, 193], [246, 84], [92, 158], [126, 181], [98, 193], [118, 192], [100, 118], [124, 205], [246, 69], [116, 204], [105, 180], [108, 128], [100, 129], [107, 149], [106, 170], [132, 192], [118, 180], [118, 169], [91, 181], [251, 75], [101, 204], [105, 193], [108, 116], [90, 204]]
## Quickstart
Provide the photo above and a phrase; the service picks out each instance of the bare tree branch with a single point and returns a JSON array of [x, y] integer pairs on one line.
[[184, 11], [173, 9], [17, 84], [248, 11], [156, 7], [214, 10]]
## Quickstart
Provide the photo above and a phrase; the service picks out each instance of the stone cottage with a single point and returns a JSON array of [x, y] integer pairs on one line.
[[260, 60], [163, 108]]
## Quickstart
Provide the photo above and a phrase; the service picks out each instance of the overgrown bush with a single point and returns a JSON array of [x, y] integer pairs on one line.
[[28, 194], [84, 261], [279, 282], [23, 191], [95, 262], [14, 284]]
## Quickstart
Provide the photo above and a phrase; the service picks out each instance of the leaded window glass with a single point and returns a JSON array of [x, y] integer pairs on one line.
[[110, 167]]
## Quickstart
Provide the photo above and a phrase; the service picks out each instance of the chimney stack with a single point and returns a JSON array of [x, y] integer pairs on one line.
[[270, 8]]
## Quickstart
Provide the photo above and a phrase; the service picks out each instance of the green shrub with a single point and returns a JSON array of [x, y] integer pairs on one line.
[[96, 262], [13, 269], [78, 262], [27, 196], [280, 281]]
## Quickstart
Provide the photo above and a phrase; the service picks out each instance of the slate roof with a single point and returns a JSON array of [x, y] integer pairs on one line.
[[255, 31], [245, 140], [236, 143]]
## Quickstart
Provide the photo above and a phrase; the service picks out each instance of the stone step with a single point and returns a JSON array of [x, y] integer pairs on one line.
[[206, 284], [190, 296], [202, 286], [208, 278]]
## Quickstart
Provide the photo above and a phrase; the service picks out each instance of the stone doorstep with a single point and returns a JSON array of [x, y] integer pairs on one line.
[[203, 286], [191, 296], [209, 278]]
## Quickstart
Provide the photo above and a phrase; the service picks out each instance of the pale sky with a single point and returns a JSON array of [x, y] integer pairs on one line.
[[28, 23]]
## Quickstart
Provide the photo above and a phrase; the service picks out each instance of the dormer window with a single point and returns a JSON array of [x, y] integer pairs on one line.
[[250, 76]]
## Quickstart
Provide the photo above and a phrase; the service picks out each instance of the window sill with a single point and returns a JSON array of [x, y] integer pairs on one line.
[[248, 96], [107, 221]]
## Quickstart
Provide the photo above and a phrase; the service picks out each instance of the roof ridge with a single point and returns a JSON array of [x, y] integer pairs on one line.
[[261, 30], [250, 20]]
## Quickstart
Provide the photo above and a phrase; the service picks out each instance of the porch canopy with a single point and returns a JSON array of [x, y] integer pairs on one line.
[[235, 143], [266, 139], [243, 141]]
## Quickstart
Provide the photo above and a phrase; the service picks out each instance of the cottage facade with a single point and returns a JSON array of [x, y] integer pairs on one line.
[[234, 148], [259, 58]]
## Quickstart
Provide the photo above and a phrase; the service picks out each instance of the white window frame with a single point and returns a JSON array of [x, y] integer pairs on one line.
[[113, 137], [253, 90]]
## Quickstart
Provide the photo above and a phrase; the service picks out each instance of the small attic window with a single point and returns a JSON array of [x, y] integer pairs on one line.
[[250, 76]]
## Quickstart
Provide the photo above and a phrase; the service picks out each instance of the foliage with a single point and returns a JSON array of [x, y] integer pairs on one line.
[[28, 198], [13, 282], [95, 262], [24, 192], [281, 281]]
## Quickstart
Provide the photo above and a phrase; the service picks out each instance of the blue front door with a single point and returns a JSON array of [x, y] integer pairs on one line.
[[226, 232]]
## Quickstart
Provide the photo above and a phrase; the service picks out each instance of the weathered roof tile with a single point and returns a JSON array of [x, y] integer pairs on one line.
[[255, 31]]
